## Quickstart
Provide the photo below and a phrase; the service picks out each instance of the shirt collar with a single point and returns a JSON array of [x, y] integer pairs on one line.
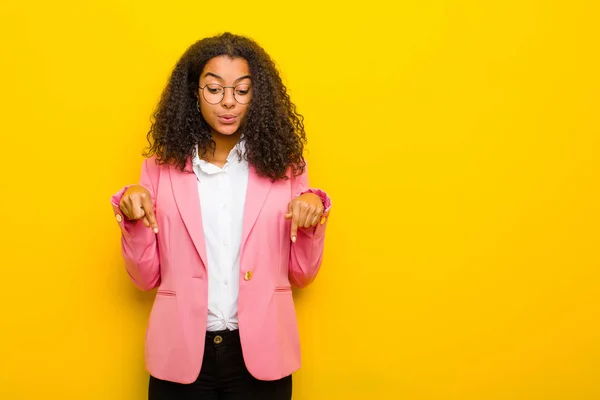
[[233, 157]]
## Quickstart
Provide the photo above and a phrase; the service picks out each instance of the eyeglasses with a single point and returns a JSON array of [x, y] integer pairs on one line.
[[214, 93]]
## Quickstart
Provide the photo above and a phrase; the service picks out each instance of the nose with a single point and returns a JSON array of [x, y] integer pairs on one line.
[[228, 98]]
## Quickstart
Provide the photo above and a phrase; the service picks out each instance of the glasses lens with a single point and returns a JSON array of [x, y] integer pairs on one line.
[[213, 93], [242, 93]]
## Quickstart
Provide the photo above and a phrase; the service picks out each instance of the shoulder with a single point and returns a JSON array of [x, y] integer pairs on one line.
[[298, 175], [151, 165], [299, 170], [154, 168], [154, 164]]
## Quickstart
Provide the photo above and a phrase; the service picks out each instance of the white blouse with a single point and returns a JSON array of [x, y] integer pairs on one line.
[[222, 197]]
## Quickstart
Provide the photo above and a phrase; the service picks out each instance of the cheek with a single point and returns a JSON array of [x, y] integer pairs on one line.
[[244, 112], [206, 110]]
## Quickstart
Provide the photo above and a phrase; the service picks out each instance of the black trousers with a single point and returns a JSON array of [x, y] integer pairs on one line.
[[223, 376]]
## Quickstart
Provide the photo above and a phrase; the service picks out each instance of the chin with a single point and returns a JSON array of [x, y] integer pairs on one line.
[[227, 130]]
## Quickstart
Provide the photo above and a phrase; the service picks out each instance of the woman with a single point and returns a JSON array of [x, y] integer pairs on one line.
[[222, 223]]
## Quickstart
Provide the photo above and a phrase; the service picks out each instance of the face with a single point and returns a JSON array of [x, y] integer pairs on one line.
[[225, 93]]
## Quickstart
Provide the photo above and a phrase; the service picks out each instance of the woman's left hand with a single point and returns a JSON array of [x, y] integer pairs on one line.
[[305, 211]]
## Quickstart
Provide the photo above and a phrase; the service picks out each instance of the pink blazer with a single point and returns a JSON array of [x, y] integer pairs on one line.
[[174, 260]]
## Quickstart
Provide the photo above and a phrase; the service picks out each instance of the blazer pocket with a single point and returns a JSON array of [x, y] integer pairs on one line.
[[283, 289], [162, 292]]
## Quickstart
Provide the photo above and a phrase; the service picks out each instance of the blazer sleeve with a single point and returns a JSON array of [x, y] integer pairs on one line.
[[138, 243], [306, 253]]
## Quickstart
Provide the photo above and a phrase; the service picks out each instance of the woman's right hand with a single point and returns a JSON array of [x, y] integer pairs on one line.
[[136, 203]]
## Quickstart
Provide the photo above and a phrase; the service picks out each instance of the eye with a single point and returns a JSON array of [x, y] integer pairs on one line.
[[214, 89], [242, 90]]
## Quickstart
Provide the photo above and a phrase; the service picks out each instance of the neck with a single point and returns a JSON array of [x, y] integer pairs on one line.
[[223, 146]]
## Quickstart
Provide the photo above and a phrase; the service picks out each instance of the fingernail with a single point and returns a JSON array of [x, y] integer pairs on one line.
[[294, 238], [155, 230]]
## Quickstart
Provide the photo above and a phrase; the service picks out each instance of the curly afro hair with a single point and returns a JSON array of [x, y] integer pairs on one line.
[[273, 130]]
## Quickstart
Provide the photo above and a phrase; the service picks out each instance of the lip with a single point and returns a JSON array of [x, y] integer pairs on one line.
[[227, 118]]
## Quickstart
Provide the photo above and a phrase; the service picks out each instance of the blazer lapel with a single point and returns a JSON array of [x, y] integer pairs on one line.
[[185, 191], [256, 194]]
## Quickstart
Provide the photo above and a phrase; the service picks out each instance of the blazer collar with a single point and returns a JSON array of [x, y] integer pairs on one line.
[[187, 199]]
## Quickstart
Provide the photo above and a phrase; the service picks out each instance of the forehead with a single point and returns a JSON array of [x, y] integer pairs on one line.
[[226, 67]]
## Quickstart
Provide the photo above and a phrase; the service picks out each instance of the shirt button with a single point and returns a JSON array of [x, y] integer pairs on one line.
[[119, 218], [248, 275]]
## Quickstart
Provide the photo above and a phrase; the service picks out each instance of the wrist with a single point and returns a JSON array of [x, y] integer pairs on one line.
[[325, 200]]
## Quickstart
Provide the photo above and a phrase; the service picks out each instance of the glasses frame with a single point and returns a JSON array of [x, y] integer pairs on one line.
[[201, 88]]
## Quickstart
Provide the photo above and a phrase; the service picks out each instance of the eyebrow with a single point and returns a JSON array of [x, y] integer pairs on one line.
[[218, 77]]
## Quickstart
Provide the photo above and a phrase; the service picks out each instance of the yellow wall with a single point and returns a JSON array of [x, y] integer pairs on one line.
[[458, 139]]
